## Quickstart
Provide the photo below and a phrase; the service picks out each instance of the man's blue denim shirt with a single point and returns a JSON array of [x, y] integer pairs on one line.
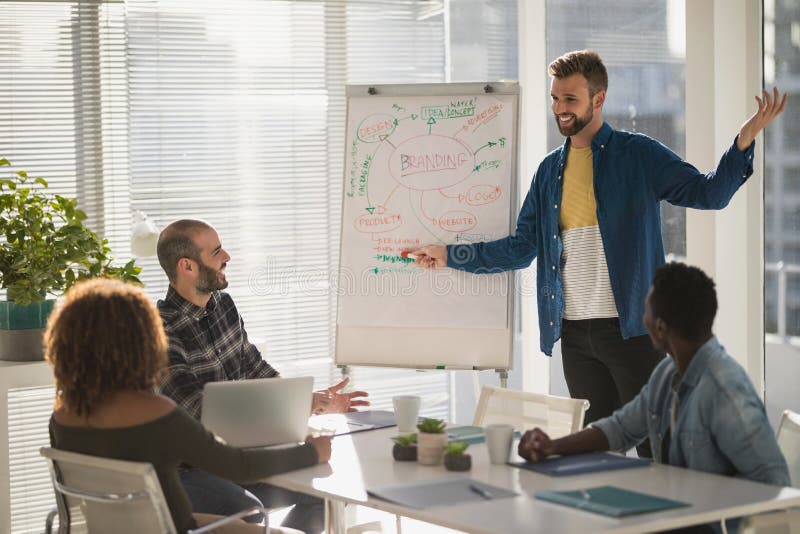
[[721, 425], [632, 174]]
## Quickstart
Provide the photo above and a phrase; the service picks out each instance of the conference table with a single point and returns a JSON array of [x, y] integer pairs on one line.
[[363, 460]]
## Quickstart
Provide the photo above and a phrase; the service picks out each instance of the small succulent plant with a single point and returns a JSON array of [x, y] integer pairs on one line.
[[431, 426], [456, 447], [406, 440]]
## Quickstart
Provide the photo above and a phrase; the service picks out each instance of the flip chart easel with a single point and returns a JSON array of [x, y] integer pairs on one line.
[[426, 164]]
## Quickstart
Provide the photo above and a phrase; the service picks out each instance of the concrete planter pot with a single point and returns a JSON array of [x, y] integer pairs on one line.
[[430, 448], [21, 330], [404, 453], [458, 462]]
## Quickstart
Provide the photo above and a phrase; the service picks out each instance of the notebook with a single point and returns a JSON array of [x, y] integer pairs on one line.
[[258, 412], [582, 463], [610, 501], [348, 423], [470, 434]]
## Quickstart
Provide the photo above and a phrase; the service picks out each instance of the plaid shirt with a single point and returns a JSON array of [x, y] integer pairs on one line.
[[205, 345]]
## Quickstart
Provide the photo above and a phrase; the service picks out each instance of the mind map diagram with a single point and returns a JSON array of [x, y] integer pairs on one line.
[[425, 170]]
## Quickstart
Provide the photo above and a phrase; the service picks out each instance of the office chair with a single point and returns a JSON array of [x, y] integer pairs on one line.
[[782, 521], [558, 416], [789, 441], [115, 496]]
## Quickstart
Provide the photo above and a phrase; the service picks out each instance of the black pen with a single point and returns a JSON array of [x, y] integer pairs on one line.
[[481, 491]]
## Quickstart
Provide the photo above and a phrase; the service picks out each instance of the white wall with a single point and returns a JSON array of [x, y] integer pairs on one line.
[[533, 147], [723, 73]]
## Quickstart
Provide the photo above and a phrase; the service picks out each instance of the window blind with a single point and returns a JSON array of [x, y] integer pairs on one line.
[[232, 112], [63, 116], [63, 110], [228, 114], [237, 116], [29, 481]]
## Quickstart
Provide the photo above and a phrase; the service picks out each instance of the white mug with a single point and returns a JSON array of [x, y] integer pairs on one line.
[[406, 410], [498, 441]]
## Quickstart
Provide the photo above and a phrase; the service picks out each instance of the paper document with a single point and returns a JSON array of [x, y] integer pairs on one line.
[[440, 493], [348, 423]]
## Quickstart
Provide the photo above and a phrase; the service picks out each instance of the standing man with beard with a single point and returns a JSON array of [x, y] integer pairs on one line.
[[208, 343], [592, 217]]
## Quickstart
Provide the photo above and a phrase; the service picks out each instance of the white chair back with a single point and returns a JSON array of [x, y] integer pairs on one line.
[[111, 495], [779, 522], [789, 442], [558, 416], [782, 521]]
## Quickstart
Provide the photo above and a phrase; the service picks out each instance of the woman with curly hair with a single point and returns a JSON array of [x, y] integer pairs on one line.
[[107, 347]]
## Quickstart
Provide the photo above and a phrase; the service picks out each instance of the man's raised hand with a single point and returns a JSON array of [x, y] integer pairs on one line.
[[330, 400], [769, 107]]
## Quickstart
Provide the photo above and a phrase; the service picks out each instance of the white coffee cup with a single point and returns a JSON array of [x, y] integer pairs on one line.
[[406, 410], [498, 441]]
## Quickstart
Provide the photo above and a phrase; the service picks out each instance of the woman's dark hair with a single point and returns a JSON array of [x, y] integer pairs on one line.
[[104, 337]]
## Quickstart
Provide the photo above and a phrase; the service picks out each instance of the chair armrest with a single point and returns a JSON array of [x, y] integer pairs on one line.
[[229, 519], [48, 523]]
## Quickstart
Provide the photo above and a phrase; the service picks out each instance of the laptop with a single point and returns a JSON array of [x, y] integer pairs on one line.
[[258, 412]]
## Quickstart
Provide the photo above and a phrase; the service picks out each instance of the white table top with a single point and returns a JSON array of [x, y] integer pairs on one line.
[[364, 460]]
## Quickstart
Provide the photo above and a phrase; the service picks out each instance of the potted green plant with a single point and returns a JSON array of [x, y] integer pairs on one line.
[[44, 249], [454, 457], [405, 448], [431, 440]]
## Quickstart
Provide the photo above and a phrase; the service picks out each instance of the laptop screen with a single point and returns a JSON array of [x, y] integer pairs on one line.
[[258, 412]]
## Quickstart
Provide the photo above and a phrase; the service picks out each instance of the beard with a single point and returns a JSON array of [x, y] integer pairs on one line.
[[208, 279], [578, 124]]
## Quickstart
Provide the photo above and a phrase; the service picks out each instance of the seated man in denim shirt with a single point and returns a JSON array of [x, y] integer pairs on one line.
[[698, 408]]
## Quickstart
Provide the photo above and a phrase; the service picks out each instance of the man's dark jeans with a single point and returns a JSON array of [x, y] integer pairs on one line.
[[601, 366]]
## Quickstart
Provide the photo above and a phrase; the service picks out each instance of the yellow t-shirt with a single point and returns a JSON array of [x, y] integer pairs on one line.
[[584, 272], [578, 206]]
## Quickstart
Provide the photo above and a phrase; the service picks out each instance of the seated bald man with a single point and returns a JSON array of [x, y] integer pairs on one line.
[[208, 343]]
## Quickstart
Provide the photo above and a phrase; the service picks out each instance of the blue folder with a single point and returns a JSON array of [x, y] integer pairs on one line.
[[470, 434], [582, 463], [610, 501]]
